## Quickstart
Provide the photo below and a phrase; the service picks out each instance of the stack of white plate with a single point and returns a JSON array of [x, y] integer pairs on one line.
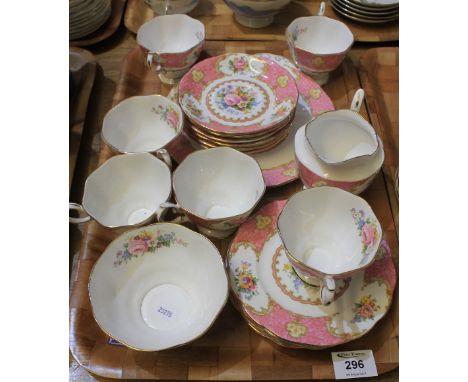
[[87, 16], [368, 11]]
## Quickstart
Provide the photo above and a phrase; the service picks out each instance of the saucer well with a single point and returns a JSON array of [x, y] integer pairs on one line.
[[282, 307]]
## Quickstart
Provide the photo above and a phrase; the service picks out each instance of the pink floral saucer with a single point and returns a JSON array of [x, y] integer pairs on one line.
[[278, 165], [237, 93], [272, 296]]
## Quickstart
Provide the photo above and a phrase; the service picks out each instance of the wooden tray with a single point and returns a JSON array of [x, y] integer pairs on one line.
[[220, 23], [230, 350], [379, 74], [109, 27], [83, 70]]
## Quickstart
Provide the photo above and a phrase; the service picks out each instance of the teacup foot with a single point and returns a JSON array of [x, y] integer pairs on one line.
[[217, 234], [254, 22]]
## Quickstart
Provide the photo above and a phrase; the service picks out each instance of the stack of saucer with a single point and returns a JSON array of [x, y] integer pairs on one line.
[[239, 101], [368, 11], [87, 16]]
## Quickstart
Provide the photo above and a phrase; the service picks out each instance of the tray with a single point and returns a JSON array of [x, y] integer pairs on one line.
[[109, 27], [220, 24], [230, 350], [83, 70], [379, 73]]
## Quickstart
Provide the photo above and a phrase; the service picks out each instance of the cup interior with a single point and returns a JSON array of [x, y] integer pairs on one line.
[[312, 162], [171, 34], [341, 135], [127, 189], [330, 230], [152, 297], [142, 124], [218, 183], [322, 35]]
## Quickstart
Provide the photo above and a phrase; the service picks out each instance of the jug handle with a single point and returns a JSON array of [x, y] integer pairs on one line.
[[358, 98]]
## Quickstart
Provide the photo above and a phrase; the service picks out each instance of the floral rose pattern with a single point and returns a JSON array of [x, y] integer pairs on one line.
[[197, 76], [246, 282], [298, 283], [296, 329], [167, 114], [240, 98], [365, 309], [238, 64], [145, 242], [315, 93], [367, 229]]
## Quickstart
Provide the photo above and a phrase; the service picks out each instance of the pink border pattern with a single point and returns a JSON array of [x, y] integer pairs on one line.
[[288, 325]]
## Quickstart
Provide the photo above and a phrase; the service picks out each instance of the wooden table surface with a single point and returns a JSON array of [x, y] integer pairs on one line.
[[109, 55]]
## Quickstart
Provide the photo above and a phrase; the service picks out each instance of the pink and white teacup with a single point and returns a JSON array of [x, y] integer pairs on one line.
[[217, 189], [173, 43], [328, 235], [318, 44], [142, 124]]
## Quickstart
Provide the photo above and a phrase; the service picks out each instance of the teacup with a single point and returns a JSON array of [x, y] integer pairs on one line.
[[315, 173], [173, 6], [343, 137], [256, 13], [318, 44], [143, 124], [328, 234], [217, 189], [126, 191], [173, 43]]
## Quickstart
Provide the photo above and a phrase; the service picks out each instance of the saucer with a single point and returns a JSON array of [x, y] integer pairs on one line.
[[283, 307], [278, 164], [237, 94]]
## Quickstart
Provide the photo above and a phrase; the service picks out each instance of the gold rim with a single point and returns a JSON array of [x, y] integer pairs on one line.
[[177, 345]]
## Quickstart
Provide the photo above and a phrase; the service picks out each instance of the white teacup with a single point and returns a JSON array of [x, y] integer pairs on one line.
[[343, 137], [328, 234], [173, 43], [217, 189], [126, 191], [143, 124]]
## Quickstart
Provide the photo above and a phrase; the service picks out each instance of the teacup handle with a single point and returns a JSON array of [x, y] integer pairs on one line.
[[321, 11], [149, 61], [356, 103], [327, 290], [163, 207], [164, 155], [81, 210]]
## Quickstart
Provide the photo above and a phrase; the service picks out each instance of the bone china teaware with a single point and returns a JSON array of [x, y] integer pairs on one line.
[[173, 43], [157, 287], [125, 191], [315, 173], [328, 235], [343, 137], [318, 44], [143, 124], [217, 189]]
